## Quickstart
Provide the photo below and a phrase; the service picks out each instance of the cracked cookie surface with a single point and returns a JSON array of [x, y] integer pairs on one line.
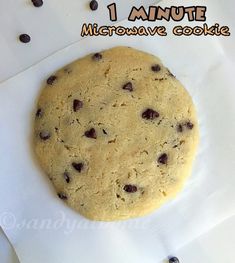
[[116, 133]]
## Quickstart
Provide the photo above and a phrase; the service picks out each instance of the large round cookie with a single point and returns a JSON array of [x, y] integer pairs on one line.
[[116, 133]]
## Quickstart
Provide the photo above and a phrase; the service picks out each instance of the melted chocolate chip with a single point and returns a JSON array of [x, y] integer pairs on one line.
[[128, 86], [78, 166], [163, 158], [179, 128], [39, 113], [24, 38], [37, 3], [62, 196], [93, 5], [66, 177], [189, 125], [129, 188], [91, 133], [51, 80], [150, 114], [44, 135], [156, 68], [77, 105], [174, 260], [97, 57]]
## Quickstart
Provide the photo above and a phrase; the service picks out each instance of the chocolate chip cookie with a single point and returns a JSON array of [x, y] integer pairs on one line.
[[116, 133]]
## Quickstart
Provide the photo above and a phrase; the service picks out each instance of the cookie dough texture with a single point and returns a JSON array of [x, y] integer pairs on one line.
[[116, 133]]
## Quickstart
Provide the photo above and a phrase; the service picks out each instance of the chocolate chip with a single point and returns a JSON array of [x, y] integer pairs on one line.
[[37, 3], [39, 113], [66, 177], [97, 57], [93, 5], [163, 158], [179, 128], [156, 68], [129, 188], [128, 86], [51, 80], [150, 114], [62, 196], [174, 260], [189, 125], [78, 166], [24, 38], [91, 133], [44, 135], [77, 105]]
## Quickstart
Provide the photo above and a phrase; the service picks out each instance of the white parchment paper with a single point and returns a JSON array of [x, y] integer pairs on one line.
[[44, 229], [52, 27]]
